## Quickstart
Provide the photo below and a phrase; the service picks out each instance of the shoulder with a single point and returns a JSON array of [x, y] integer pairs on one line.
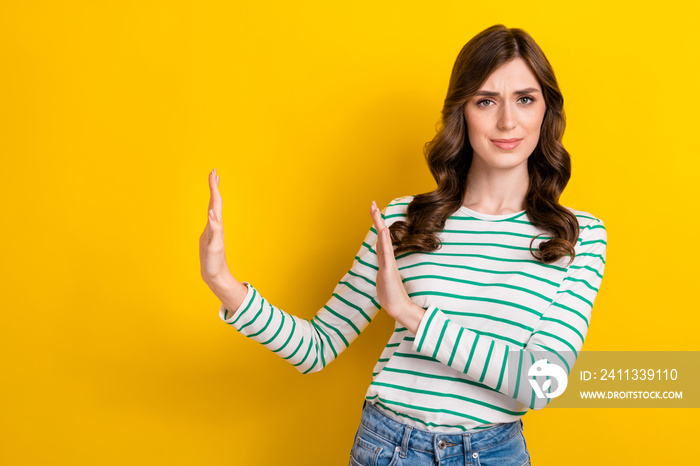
[[396, 210], [592, 232], [400, 202], [586, 220]]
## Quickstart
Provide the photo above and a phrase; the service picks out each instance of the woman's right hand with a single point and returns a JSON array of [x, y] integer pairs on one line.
[[212, 255]]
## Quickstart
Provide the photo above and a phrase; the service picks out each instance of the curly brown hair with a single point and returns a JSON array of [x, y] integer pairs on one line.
[[449, 153]]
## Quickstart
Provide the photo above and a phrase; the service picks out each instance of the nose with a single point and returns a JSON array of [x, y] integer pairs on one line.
[[506, 118]]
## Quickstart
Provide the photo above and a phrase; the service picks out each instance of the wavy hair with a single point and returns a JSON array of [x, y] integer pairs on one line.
[[449, 153]]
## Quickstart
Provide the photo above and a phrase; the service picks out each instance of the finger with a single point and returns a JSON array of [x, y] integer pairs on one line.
[[211, 202], [215, 200], [211, 198], [384, 248], [377, 227], [387, 248]]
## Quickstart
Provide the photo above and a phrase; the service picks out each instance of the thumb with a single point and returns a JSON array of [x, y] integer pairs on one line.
[[215, 200], [214, 220]]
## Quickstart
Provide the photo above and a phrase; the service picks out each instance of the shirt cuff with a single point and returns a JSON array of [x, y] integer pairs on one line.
[[423, 338], [228, 316]]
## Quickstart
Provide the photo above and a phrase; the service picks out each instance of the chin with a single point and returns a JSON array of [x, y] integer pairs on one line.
[[507, 161], [509, 167]]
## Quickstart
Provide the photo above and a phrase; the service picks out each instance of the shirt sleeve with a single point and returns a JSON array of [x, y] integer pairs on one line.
[[556, 340], [309, 345]]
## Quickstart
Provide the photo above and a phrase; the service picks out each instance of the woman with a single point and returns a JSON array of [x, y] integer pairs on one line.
[[488, 277]]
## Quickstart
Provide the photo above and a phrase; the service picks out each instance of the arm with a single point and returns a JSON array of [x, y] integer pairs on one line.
[[309, 345], [558, 336]]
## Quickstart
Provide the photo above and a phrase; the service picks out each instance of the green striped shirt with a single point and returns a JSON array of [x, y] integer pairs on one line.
[[492, 311]]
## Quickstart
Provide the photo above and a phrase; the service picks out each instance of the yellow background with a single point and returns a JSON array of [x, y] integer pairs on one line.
[[113, 112]]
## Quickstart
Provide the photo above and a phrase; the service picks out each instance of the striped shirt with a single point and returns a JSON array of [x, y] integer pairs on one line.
[[492, 312]]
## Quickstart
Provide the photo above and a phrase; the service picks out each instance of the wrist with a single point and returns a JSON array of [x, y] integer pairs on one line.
[[230, 291], [221, 284], [414, 316]]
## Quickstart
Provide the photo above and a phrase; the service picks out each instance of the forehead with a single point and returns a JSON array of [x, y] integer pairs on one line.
[[515, 74]]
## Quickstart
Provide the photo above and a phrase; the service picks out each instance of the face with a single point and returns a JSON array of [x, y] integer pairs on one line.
[[508, 106]]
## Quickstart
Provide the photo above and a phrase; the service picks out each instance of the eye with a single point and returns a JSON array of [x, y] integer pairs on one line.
[[482, 103], [527, 97]]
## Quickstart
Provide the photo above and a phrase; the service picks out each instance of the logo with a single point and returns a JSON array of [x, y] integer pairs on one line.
[[544, 368]]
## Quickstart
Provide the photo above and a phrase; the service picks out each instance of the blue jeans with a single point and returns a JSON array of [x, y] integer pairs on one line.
[[382, 441]]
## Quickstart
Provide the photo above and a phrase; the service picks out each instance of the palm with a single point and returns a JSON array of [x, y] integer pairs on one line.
[[390, 289], [212, 254]]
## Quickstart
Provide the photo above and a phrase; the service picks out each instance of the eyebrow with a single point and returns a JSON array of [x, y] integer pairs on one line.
[[529, 90]]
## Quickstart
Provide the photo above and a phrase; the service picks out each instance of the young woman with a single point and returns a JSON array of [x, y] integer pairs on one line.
[[488, 277]]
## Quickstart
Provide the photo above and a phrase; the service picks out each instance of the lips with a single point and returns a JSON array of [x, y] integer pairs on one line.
[[507, 143]]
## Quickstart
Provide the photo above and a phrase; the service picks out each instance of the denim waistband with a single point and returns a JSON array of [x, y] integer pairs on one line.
[[410, 437]]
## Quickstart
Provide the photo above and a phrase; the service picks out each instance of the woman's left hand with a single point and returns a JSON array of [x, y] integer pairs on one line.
[[390, 290]]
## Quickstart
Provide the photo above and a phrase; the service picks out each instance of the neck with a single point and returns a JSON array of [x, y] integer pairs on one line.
[[496, 191]]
